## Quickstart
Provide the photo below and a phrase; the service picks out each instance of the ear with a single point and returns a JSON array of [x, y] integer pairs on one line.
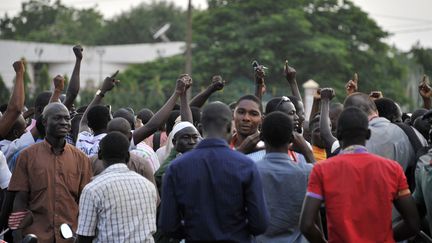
[[174, 141], [368, 134]]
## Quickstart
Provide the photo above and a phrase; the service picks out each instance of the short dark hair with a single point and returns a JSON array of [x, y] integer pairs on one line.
[[387, 108], [216, 115], [126, 114], [114, 148], [277, 129], [42, 100], [145, 115], [361, 101], [98, 117], [296, 101], [275, 103], [251, 98], [353, 123]]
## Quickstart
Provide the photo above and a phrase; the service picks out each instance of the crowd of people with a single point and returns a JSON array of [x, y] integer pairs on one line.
[[195, 172]]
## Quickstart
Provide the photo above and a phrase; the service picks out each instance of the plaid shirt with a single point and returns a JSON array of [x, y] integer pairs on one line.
[[118, 206]]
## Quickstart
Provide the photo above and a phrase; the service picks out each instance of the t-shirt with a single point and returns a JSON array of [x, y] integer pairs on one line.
[[88, 143], [358, 190]]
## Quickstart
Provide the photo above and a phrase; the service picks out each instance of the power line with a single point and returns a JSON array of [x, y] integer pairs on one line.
[[401, 17]]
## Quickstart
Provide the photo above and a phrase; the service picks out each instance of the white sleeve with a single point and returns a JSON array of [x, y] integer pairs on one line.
[[335, 146], [24, 141], [5, 174]]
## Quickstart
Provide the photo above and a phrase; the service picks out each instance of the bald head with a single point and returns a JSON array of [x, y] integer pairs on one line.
[[119, 124], [216, 120], [361, 101], [53, 108]]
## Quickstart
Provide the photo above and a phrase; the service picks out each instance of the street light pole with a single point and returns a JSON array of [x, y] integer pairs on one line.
[[188, 55]]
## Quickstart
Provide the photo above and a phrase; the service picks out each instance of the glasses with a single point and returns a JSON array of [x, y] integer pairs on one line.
[[283, 99]]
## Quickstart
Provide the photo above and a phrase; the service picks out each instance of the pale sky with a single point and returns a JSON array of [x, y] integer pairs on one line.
[[409, 21]]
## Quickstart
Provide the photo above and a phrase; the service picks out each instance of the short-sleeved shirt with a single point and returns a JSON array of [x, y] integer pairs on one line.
[[54, 183], [118, 206], [88, 143], [358, 190]]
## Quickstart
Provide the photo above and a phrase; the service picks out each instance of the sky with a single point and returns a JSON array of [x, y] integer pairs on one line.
[[408, 21]]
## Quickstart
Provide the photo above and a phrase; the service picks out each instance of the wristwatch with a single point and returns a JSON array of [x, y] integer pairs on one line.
[[99, 92]]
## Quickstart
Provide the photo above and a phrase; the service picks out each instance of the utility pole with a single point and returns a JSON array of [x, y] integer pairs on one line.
[[188, 55]]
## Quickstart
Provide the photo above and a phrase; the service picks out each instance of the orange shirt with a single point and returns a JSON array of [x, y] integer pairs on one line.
[[54, 183], [319, 153]]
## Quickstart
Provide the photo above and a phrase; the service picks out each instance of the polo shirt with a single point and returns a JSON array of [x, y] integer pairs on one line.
[[358, 189], [213, 193]]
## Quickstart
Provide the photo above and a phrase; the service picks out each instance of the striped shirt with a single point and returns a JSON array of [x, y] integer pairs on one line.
[[119, 205]]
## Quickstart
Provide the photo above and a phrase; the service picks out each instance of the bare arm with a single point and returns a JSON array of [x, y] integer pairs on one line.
[[290, 75], [161, 116], [425, 92], [308, 218], [352, 85], [58, 89], [107, 85], [259, 80], [185, 110], [217, 84], [16, 102], [411, 220], [325, 130], [299, 143], [315, 104], [74, 84]]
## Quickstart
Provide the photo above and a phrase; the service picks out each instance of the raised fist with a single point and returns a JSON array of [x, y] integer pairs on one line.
[[59, 82], [78, 51], [19, 66]]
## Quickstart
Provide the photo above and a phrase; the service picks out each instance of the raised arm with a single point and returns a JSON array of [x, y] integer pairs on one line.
[[217, 84], [315, 104], [290, 75], [161, 115], [325, 130], [58, 88], [16, 102], [425, 92], [260, 86], [74, 84], [107, 85], [185, 110]]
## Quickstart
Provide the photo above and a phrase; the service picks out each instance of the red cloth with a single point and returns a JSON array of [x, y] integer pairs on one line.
[[358, 191]]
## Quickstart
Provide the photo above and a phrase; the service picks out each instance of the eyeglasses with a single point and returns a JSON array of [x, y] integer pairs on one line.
[[283, 99]]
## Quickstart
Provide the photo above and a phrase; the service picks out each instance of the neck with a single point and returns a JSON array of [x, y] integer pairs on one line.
[[56, 143], [281, 149]]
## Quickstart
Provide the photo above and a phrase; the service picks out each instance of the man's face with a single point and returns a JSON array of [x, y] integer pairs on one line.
[[185, 139], [301, 115], [57, 122], [247, 117]]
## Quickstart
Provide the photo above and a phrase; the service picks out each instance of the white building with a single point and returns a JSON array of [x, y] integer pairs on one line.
[[98, 61]]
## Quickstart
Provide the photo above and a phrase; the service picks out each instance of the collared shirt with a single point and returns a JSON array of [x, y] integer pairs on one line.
[[358, 189], [118, 206], [284, 184], [294, 156], [89, 143], [390, 141], [54, 183], [214, 194]]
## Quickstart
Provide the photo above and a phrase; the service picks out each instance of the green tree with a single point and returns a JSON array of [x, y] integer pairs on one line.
[[46, 21], [139, 24]]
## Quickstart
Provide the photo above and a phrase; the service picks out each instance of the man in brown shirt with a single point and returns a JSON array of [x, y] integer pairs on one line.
[[49, 177]]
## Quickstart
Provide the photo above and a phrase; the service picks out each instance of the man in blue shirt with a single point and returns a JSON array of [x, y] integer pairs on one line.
[[213, 193], [284, 181]]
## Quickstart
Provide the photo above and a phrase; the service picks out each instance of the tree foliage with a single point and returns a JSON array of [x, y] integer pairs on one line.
[[4, 92]]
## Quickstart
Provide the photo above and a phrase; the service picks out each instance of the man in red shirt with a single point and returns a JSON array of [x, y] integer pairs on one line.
[[358, 189]]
